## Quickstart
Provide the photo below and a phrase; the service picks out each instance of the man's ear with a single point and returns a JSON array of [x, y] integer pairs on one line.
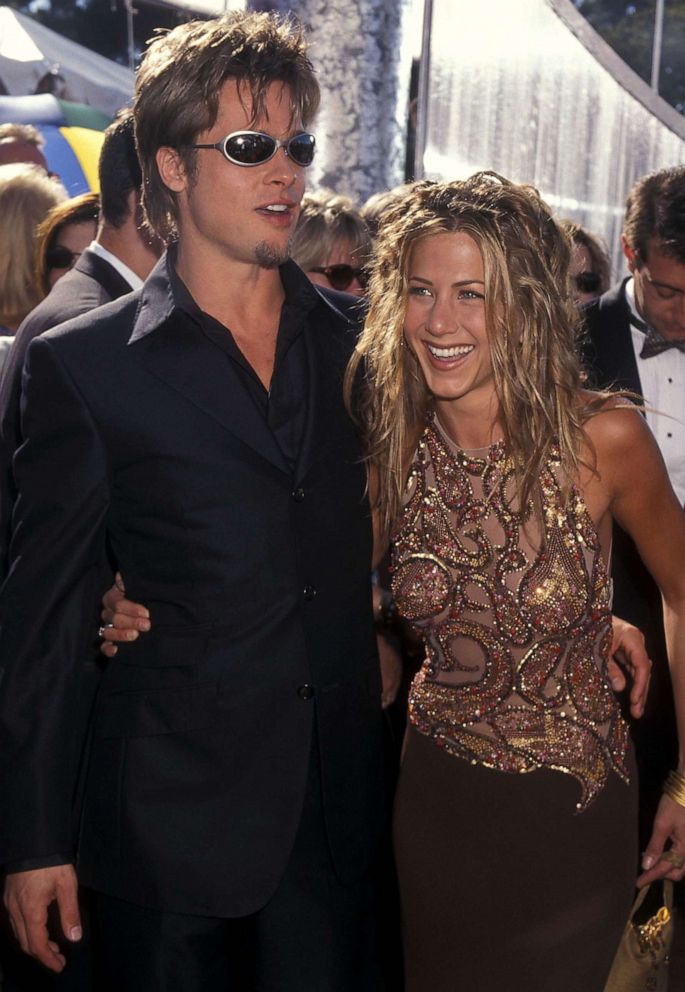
[[171, 169], [631, 255]]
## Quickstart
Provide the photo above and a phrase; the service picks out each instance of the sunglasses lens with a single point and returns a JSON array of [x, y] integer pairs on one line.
[[340, 276], [249, 148], [587, 282], [301, 149], [59, 258]]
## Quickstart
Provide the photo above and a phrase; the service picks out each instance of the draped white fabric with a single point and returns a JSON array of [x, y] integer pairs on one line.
[[530, 90]]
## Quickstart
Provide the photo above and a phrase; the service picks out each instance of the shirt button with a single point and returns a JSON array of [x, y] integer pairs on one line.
[[298, 495], [305, 691], [309, 592]]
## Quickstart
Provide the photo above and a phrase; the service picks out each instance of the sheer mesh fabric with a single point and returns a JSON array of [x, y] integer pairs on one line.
[[514, 607]]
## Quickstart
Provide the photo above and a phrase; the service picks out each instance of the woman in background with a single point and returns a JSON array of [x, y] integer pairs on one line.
[[332, 242], [590, 270], [26, 196], [496, 477], [63, 236]]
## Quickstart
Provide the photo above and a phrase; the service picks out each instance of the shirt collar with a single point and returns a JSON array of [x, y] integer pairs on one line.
[[134, 281], [629, 291], [164, 292]]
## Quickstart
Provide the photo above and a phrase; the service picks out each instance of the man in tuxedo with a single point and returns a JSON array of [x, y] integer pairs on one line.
[[194, 433], [636, 341], [119, 259]]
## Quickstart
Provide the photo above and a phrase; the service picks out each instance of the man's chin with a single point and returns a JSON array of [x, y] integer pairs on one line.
[[270, 256]]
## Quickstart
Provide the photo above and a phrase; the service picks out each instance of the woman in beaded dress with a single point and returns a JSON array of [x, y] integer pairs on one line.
[[496, 477]]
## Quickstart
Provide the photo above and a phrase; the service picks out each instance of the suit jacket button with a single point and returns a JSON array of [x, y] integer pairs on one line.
[[309, 592], [305, 691], [298, 494]]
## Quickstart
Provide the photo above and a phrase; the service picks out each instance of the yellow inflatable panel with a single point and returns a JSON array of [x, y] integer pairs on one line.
[[86, 145]]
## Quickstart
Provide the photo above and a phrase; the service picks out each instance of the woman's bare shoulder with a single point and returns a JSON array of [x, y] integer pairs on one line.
[[613, 421]]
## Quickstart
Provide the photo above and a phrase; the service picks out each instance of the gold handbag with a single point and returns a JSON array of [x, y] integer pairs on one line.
[[641, 962]]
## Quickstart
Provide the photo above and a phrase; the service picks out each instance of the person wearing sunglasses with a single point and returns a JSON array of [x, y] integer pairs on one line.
[[193, 434], [63, 237], [332, 242], [589, 264]]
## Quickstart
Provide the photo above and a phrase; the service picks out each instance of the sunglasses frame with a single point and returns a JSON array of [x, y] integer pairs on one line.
[[358, 274], [222, 146]]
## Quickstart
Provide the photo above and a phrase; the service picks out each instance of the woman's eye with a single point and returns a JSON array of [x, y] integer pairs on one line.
[[419, 291], [470, 294]]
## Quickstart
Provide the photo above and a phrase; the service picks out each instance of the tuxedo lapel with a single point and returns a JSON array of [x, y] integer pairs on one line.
[[615, 341], [183, 358]]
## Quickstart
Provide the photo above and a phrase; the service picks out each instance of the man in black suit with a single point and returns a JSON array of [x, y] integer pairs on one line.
[[121, 257], [636, 341], [195, 433]]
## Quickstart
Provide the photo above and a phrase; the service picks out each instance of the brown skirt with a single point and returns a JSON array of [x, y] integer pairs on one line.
[[503, 887]]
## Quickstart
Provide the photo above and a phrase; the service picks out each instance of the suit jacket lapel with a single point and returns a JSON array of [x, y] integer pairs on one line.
[[327, 356], [616, 340], [102, 272], [182, 357]]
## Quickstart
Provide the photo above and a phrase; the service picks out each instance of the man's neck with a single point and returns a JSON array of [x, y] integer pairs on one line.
[[246, 297], [127, 245]]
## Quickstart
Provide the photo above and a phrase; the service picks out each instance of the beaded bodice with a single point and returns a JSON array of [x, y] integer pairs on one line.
[[517, 623]]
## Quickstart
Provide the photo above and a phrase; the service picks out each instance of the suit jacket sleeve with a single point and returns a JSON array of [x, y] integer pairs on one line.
[[48, 606]]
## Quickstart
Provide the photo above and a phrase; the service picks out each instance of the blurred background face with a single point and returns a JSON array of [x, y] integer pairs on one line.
[[70, 242], [585, 282], [659, 284], [345, 269]]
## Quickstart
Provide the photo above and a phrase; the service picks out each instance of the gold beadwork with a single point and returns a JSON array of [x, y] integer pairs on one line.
[[674, 787], [516, 618]]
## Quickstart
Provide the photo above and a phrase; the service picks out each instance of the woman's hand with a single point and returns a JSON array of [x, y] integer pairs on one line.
[[669, 825], [122, 620]]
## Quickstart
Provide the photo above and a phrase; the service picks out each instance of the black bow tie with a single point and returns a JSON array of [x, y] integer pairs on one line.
[[655, 343]]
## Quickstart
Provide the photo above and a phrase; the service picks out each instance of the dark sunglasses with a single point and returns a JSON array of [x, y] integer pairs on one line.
[[255, 148], [60, 257], [342, 276], [587, 282]]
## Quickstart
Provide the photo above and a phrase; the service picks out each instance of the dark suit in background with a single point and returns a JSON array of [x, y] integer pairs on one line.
[[91, 283], [611, 362]]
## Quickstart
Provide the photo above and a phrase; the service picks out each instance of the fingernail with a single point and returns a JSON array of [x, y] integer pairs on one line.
[[131, 635], [144, 624], [75, 933], [647, 861]]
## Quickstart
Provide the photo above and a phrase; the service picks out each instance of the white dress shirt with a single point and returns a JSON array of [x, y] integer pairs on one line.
[[662, 379], [134, 281]]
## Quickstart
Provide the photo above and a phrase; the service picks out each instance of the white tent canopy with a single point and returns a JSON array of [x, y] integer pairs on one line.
[[29, 50]]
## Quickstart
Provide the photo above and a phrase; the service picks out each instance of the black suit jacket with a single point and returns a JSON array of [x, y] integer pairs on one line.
[[609, 346], [257, 579], [91, 283]]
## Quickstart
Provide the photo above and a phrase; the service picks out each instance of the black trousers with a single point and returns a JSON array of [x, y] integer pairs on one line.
[[313, 935]]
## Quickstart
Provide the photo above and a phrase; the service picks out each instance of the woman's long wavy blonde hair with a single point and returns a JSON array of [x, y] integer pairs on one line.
[[531, 324]]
